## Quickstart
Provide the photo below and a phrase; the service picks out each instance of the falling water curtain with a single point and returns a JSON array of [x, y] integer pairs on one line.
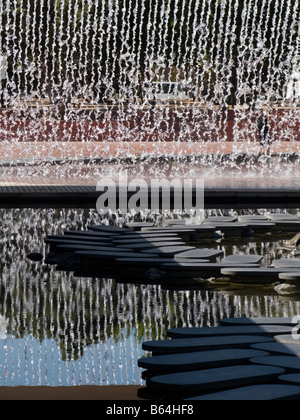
[[225, 50]]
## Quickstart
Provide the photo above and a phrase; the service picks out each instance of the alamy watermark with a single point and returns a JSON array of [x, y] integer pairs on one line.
[[139, 194]]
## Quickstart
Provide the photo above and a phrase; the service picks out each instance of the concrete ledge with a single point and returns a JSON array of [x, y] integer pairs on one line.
[[85, 196]]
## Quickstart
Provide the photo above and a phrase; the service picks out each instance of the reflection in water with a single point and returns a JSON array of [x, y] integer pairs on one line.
[[56, 329]]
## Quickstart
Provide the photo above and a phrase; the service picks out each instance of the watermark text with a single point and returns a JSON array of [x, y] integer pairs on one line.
[[155, 194]]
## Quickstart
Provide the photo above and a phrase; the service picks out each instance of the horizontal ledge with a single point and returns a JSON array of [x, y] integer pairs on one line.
[[86, 196]]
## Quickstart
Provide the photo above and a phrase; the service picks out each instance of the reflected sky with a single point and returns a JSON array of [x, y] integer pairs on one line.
[[30, 362]]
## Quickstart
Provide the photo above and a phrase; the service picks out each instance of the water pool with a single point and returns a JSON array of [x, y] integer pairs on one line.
[[57, 329]]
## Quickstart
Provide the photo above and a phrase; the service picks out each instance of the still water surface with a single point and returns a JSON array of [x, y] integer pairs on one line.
[[57, 329]]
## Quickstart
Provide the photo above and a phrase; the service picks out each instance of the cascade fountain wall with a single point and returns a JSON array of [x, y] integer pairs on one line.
[[77, 70]]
